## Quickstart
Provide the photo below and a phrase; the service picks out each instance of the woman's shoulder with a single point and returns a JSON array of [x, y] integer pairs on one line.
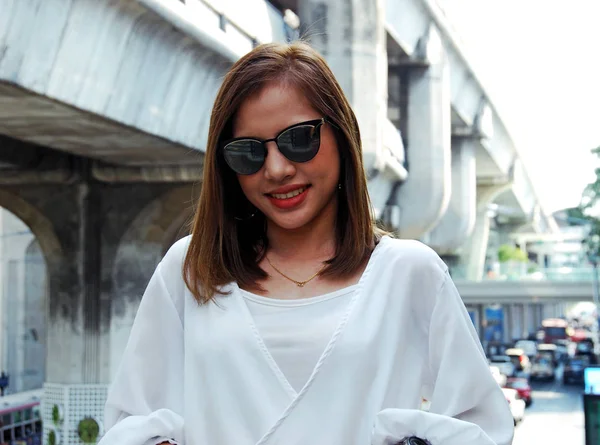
[[171, 266], [176, 253], [415, 276], [411, 254]]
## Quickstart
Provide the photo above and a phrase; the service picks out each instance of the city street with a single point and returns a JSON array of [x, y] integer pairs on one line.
[[554, 418]]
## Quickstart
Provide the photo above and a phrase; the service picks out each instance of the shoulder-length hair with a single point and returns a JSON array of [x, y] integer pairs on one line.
[[228, 243]]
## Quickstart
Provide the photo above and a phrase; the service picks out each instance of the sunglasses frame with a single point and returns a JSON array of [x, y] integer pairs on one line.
[[314, 122]]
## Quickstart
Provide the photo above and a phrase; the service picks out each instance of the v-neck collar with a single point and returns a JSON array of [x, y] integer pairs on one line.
[[295, 396]]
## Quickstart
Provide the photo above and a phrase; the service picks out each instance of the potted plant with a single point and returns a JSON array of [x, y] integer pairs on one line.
[[53, 437], [57, 415], [88, 430]]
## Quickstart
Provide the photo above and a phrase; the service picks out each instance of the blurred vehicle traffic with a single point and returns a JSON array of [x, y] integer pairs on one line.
[[521, 385], [517, 406]]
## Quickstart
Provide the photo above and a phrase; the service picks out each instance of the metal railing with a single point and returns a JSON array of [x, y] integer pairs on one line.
[[525, 272]]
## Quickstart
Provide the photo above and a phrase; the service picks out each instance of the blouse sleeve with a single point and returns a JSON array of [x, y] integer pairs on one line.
[[467, 405], [144, 405]]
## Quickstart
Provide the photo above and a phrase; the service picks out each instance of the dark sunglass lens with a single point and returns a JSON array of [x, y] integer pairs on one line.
[[300, 144], [245, 156]]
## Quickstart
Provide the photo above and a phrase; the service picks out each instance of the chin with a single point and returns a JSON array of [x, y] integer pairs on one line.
[[292, 222]]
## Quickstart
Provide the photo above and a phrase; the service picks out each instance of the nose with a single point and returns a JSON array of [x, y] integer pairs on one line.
[[277, 166]]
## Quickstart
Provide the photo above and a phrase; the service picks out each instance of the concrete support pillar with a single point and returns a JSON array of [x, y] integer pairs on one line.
[[539, 315], [350, 34], [519, 316], [508, 322], [90, 233], [562, 309], [528, 319], [475, 312], [457, 224], [481, 314], [475, 250], [75, 344], [549, 311], [516, 311], [100, 243], [428, 148]]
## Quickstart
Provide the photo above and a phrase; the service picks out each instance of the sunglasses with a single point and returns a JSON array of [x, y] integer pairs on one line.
[[298, 143]]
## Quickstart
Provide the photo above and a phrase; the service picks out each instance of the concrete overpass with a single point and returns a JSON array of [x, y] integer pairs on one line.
[[524, 303], [525, 292], [104, 110]]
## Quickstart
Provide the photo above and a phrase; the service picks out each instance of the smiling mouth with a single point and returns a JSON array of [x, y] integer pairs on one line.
[[289, 194]]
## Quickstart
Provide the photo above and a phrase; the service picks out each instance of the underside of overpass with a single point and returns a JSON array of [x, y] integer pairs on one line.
[[92, 88]]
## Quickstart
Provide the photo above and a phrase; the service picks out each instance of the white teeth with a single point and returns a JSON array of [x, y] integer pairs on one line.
[[288, 195]]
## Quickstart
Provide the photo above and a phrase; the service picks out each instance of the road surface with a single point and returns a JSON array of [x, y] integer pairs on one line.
[[554, 418]]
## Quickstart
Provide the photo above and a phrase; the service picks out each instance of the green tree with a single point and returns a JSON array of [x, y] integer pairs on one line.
[[508, 252], [588, 213]]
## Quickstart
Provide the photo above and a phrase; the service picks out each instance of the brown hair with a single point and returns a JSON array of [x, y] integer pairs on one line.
[[225, 245]]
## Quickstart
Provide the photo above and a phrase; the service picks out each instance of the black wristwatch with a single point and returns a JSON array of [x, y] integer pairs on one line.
[[413, 440]]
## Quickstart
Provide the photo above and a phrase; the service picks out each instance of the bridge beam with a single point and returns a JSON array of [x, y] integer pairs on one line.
[[107, 101], [524, 292]]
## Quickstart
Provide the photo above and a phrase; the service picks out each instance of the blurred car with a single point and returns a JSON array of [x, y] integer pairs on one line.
[[574, 369], [520, 360], [504, 363], [584, 347], [562, 350], [498, 376], [542, 368], [551, 350], [522, 387], [517, 406], [529, 346]]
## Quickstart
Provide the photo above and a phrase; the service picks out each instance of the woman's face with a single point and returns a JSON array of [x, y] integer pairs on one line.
[[290, 194]]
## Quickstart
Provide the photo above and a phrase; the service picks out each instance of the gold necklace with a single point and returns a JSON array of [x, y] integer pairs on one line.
[[298, 283]]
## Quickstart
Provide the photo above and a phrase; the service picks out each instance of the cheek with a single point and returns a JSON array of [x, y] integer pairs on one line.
[[248, 185], [329, 161]]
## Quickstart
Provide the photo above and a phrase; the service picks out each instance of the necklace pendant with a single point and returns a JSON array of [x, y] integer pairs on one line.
[[300, 284]]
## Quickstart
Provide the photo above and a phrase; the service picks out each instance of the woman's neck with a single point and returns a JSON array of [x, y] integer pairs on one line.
[[316, 240]]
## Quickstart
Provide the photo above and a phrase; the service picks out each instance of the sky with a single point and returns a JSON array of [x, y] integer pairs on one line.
[[539, 60]]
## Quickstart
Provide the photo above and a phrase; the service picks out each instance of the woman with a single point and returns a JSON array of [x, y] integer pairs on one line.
[[295, 320]]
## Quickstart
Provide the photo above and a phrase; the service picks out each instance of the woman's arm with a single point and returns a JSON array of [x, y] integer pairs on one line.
[[463, 386], [145, 401], [467, 405]]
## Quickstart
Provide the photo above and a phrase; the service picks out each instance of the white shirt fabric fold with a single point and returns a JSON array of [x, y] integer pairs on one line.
[[203, 375], [296, 332]]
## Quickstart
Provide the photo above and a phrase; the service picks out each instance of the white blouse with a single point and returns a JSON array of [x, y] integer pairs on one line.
[[201, 375], [296, 332]]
